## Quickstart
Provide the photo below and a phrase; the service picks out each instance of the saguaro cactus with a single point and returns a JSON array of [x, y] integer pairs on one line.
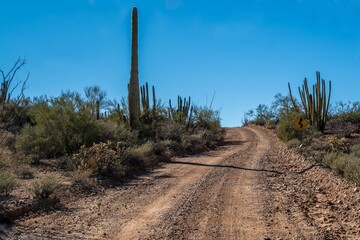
[[316, 105], [133, 87]]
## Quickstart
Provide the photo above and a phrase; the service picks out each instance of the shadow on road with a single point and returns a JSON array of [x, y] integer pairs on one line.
[[234, 143], [226, 166]]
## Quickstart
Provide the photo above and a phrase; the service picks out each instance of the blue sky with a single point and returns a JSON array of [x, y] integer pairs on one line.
[[244, 52]]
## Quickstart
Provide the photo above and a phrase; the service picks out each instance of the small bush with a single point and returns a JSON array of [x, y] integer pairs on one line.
[[66, 163], [339, 144], [81, 178], [161, 148], [193, 143], [7, 183], [138, 158], [24, 172], [101, 158], [171, 130], [2, 164], [286, 129], [293, 143], [44, 188], [347, 165], [352, 170], [355, 150]]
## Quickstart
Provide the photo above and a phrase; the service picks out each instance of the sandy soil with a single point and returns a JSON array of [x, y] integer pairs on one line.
[[250, 188]]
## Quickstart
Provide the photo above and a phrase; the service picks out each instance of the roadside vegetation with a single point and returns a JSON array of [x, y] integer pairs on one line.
[[333, 134], [82, 142], [86, 131]]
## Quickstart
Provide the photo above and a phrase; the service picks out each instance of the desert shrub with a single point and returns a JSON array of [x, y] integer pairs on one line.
[[15, 115], [352, 170], [81, 179], [44, 188], [260, 116], [207, 122], [332, 159], [161, 148], [355, 150], [61, 126], [341, 127], [24, 172], [171, 130], [286, 129], [7, 183], [2, 163], [193, 143], [337, 144], [293, 143], [66, 163], [12, 103], [140, 157], [101, 158], [347, 165]]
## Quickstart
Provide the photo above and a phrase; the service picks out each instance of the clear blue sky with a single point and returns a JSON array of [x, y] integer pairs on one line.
[[244, 51]]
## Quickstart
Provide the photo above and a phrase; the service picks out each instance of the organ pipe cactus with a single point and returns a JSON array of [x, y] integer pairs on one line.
[[133, 87], [145, 99], [148, 114], [315, 104], [183, 113]]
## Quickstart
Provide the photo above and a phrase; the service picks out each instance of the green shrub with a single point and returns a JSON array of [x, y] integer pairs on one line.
[[140, 157], [7, 183], [355, 150], [194, 143], [171, 130], [2, 164], [61, 126], [353, 168], [347, 165], [44, 188], [286, 129]]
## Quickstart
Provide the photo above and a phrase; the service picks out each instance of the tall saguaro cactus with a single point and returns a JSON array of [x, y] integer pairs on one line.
[[315, 104], [133, 88]]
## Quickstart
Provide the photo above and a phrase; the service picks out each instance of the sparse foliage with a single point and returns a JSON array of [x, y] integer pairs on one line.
[[12, 104], [7, 183], [42, 189]]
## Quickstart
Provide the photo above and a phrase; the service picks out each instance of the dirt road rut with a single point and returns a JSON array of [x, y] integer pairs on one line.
[[247, 189]]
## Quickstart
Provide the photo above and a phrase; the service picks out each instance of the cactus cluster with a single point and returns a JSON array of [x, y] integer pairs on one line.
[[315, 104], [145, 99], [184, 111], [133, 87], [148, 114]]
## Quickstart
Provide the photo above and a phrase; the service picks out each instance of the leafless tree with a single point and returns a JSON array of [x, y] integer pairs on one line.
[[11, 96]]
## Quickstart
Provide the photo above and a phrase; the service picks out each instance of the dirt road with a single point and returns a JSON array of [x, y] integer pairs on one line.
[[247, 189]]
